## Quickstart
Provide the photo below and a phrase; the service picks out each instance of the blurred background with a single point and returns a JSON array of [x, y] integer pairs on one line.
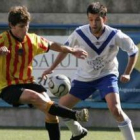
[[55, 20]]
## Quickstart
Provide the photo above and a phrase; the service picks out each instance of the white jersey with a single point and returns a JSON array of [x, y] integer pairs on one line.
[[102, 51]]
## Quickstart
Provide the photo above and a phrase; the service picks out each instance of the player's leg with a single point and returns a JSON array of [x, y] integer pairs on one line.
[[44, 104], [74, 126], [124, 122], [70, 100], [108, 87], [50, 121], [12, 94], [18, 94], [48, 107], [52, 124]]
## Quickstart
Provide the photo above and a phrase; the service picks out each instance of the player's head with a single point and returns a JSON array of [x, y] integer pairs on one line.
[[18, 14], [96, 13], [19, 19], [97, 8]]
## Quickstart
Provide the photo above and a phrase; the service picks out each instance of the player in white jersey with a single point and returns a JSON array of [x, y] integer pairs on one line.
[[101, 50], [99, 71]]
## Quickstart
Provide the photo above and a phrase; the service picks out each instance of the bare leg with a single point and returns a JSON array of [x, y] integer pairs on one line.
[[44, 104], [124, 123], [70, 101]]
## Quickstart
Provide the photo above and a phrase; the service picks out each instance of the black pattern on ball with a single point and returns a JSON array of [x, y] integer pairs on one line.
[[59, 85]]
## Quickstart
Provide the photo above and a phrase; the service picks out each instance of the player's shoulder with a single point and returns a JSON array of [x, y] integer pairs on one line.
[[4, 35], [110, 29], [31, 35], [83, 27], [117, 32]]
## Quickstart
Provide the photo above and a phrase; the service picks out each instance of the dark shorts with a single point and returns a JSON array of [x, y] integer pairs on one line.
[[105, 85], [12, 93]]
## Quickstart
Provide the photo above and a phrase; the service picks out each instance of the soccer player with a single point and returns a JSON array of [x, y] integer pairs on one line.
[[99, 71], [17, 85]]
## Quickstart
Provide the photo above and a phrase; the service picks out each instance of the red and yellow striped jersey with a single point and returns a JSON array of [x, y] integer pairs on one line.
[[16, 67]]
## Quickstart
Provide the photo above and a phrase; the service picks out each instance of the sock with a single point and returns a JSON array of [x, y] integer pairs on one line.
[[73, 126], [53, 130], [127, 129], [61, 111]]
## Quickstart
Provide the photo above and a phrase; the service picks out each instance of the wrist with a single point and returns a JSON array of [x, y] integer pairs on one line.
[[126, 73], [51, 69], [72, 51]]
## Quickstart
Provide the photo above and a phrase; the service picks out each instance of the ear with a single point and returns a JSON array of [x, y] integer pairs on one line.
[[105, 19], [10, 25]]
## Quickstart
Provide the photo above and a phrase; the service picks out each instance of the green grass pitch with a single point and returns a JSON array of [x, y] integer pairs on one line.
[[40, 134]]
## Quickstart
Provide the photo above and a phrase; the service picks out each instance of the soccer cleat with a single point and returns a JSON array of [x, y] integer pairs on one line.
[[82, 115], [79, 137]]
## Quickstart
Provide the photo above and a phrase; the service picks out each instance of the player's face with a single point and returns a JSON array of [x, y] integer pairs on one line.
[[20, 30], [96, 23]]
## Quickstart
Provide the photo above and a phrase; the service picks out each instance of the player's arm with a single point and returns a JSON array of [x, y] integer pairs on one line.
[[3, 49], [77, 52], [58, 60], [64, 50], [127, 45], [129, 68]]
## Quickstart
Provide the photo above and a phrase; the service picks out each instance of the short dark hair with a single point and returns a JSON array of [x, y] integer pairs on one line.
[[18, 14], [97, 8]]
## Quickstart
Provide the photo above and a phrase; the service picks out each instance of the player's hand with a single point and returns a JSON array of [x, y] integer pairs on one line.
[[4, 50], [125, 78], [80, 53], [45, 75]]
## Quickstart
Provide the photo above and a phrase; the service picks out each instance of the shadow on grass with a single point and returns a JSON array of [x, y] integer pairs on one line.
[[65, 128]]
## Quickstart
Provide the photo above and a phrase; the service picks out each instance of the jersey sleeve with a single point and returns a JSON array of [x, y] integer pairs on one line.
[[126, 43], [1, 40], [42, 45], [72, 40]]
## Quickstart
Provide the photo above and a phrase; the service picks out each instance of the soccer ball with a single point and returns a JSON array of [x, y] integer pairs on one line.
[[59, 85]]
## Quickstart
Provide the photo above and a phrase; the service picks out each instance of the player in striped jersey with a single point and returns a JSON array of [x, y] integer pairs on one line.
[[17, 85], [99, 71]]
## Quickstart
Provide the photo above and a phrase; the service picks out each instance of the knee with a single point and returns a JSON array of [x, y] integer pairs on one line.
[[33, 96], [68, 100], [116, 110], [51, 118]]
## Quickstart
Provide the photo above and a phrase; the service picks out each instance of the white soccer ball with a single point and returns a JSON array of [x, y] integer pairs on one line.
[[59, 85]]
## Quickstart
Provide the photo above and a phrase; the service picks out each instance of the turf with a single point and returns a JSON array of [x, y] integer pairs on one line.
[[40, 134]]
